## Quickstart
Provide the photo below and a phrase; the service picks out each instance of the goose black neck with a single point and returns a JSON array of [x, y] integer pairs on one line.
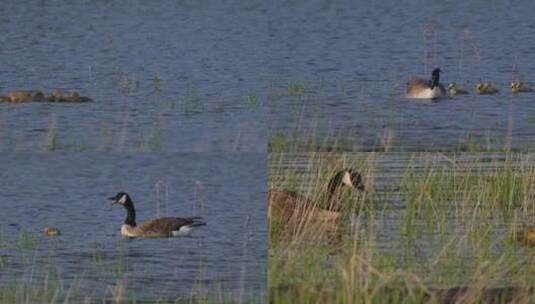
[[130, 213], [435, 77], [333, 189]]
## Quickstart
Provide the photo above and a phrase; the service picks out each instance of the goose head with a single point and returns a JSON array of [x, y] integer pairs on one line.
[[121, 198], [347, 177]]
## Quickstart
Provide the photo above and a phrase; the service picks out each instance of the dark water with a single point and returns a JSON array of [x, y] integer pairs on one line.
[[346, 64], [177, 76], [69, 191]]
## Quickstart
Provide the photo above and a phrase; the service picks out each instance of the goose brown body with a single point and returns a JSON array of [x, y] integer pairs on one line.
[[160, 227], [288, 205]]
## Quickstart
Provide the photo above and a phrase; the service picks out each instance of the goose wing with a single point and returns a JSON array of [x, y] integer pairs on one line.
[[417, 85], [166, 225], [290, 204]]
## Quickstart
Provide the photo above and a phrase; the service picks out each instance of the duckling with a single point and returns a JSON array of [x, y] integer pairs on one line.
[[51, 231], [527, 236], [74, 96], [518, 86], [39, 96], [19, 96], [455, 90], [56, 96], [288, 205], [486, 88], [426, 89], [160, 227]]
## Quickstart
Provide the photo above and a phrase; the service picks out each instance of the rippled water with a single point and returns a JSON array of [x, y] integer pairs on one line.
[[69, 191], [339, 70], [177, 76], [385, 173]]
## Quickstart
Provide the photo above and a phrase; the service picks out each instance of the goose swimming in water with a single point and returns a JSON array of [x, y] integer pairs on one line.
[[426, 89], [518, 86], [160, 227], [486, 88], [287, 205], [456, 90]]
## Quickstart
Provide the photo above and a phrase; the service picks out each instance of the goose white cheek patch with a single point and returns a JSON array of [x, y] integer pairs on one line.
[[123, 199], [347, 179]]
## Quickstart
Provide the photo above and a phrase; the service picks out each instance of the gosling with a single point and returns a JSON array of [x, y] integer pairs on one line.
[[18, 96], [486, 88], [518, 86], [51, 231], [455, 90]]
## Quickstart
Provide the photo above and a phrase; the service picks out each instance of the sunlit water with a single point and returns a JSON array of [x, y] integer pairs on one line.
[[70, 191], [339, 71], [177, 76]]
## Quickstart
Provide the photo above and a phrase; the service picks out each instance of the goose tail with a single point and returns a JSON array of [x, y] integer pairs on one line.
[[197, 221]]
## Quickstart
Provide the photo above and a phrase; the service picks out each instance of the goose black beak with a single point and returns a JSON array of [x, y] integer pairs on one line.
[[113, 199]]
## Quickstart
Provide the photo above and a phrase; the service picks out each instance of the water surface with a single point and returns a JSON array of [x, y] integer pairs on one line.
[[176, 76], [339, 70], [69, 191]]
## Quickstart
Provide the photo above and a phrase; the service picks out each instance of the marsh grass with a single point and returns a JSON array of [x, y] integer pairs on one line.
[[41, 280], [445, 229]]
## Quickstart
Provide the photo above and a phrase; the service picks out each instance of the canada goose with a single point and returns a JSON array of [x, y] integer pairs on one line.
[[486, 88], [18, 96], [160, 227], [426, 89], [455, 90], [527, 236], [518, 86], [285, 205], [51, 231]]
